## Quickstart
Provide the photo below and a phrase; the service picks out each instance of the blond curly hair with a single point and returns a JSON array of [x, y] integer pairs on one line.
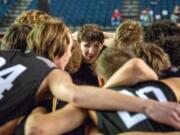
[[32, 17]]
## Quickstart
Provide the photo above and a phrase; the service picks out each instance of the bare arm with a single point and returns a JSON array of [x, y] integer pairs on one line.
[[9, 127], [89, 97], [108, 34], [132, 72], [74, 35], [58, 122], [91, 129], [109, 39]]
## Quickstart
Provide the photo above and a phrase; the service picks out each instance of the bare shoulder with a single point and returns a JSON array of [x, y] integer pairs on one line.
[[58, 74], [174, 84], [55, 76]]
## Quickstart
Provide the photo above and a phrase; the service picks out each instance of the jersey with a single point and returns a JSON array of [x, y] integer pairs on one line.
[[111, 123], [85, 75], [171, 72], [20, 77]]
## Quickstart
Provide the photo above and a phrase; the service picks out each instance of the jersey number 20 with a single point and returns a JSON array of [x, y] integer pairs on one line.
[[132, 120], [8, 75]]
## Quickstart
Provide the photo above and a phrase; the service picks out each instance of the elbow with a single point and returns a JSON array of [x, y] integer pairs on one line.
[[71, 93], [34, 126], [77, 96], [142, 71], [75, 99], [136, 65]]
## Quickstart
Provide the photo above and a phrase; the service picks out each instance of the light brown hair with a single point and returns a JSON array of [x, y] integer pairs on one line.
[[76, 59], [153, 55], [128, 32], [110, 60], [15, 37], [49, 39]]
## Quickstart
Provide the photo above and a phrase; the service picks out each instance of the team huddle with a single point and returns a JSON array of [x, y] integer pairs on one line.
[[90, 82]]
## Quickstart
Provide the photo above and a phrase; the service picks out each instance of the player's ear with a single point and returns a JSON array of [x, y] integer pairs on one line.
[[101, 81]]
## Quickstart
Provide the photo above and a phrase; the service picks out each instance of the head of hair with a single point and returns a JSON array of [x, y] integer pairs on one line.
[[159, 30], [153, 55], [171, 45], [75, 61], [1, 36], [32, 17], [15, 37], [90, 33], [110, 60], [49, 39], [128, 32]]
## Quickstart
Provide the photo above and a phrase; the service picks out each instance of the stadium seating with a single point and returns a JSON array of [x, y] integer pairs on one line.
[[5, 8], [157, 6], [79, 12]]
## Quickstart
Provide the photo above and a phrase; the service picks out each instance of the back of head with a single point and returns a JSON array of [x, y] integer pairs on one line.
[[128, 32], [110, 60], [15, 37], [49, 39], [90, 33], [75, 61], [32, 17], [171, 45], [159, 30], [153, 55]]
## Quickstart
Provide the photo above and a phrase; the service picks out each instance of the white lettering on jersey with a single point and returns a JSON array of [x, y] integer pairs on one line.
[[8, 76], [130, 120]]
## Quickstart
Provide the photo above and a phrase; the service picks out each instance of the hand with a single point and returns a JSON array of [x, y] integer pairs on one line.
[[164, 112]]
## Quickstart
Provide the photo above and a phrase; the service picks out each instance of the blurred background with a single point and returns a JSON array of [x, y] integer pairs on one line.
[[106, 13]]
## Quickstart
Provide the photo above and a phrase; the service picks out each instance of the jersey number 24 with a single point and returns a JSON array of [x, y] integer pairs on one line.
[[8, 75]]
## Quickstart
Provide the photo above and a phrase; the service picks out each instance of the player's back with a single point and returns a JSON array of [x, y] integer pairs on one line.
[[20, 76], [112, 123]]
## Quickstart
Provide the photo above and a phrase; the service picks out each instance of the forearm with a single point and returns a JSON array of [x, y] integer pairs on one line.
[[9, 127], [109, 42], [94, 98], [66, 119], [58, 122], [74, 35], [132, 72], [108, 34]]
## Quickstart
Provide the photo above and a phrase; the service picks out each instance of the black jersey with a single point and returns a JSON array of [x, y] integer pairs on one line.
[[171, 72], [20, 77], [112, 123], [85, 75]]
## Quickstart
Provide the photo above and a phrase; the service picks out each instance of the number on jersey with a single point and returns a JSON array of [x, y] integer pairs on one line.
[[8, 75], [130, 120]]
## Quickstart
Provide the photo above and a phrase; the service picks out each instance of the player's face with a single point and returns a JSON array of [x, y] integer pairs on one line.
[[90, 51], [63, 61]]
